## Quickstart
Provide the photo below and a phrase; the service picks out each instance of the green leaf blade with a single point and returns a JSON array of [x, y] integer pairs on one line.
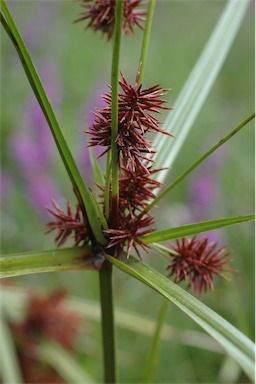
[[97, 174], [49, 261], [199, 161], [194, 93], [193, 229], [236, 344]]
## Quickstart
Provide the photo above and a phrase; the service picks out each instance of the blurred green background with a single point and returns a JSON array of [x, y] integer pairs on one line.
[[76, 64]]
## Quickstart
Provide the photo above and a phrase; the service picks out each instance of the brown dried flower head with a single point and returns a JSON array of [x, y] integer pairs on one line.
[[100, 15], [197, 261], [46, 318]]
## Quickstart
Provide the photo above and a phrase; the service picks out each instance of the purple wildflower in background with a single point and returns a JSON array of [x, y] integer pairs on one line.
[[32, 146], [34, 32], [204, 193], [203, 190], [6, 185]]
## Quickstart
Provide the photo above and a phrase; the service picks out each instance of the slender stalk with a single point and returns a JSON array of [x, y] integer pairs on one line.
[[107, 185], [105, 274], [146, 36], [114, 105], [197, 162], [153, 353], [107, 314], [100, 213]]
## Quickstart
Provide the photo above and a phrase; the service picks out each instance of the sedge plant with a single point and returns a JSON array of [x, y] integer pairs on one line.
[[113, 226]]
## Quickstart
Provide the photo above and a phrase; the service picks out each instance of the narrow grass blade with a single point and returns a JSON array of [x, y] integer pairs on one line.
[[79, 187], [107, 185], [199, 161], [9, 361], [229, 371], [14, 299], [49, 261], [193, 229], [146, 38], [195, 91], [63, 363], [236, 344], [96, 171], [100, 213], [152, 358]]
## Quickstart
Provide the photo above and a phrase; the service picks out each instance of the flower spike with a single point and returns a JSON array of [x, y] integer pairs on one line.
[[67, 224], [196, 261], [135, 118], [101, 15]]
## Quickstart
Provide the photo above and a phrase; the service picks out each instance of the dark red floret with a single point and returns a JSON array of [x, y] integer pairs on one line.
[[197, 261], [135, 108], [47, 319], [129, 232], [101, 15], [67, 225], [136, 189]]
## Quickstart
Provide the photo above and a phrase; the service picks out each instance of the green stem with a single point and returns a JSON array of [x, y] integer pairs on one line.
[[146, 36], [107, 314], [196, 163], [107, 185], [153, 353], [114, 104]]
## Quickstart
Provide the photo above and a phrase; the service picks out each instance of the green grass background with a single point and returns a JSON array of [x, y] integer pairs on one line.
[[83, 61]]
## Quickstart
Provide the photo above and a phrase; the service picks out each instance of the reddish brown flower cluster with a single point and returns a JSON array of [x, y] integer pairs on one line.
[[196, 261], [129, 232], [136, 186], [67, 224], [136, 189], [37, 372], [101, 15], [45, 319], [135, 119]]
